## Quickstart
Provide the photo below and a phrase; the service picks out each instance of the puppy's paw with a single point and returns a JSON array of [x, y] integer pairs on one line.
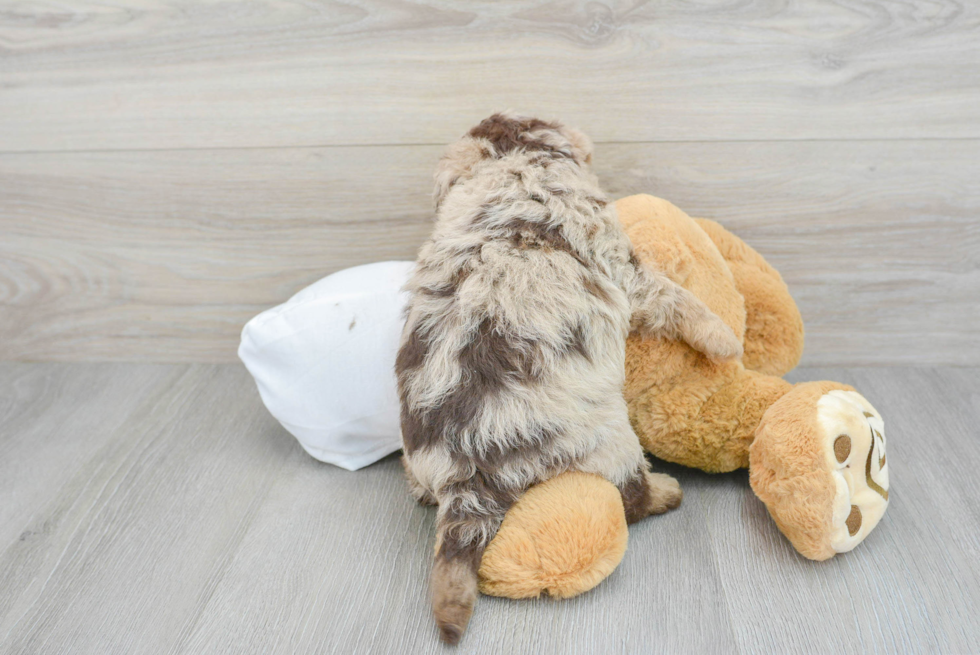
[[714, 338], [664, 493]]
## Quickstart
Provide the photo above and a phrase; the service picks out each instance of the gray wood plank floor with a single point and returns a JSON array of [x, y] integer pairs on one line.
[[160, 509]]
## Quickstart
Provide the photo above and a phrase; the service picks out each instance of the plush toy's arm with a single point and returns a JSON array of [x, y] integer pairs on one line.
[[773, 325], [663, 308]]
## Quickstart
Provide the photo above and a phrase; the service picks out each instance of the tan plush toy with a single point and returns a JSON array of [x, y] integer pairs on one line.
[[815, 450]]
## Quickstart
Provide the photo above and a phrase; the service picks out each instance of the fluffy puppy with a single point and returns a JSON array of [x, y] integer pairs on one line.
[[512, 361]]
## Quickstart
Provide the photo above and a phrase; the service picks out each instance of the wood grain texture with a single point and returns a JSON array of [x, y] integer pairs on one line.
[[128, 550], [180, 74], [47, 439], [194, 524], [354, 580], [163, 256]]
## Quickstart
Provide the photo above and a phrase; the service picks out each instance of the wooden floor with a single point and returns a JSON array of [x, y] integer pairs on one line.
[[160, 509]]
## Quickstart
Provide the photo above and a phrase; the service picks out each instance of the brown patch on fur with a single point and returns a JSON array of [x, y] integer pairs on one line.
[[636, 498], [411, 356], [412, 353], [493, 496], [491, 359], [534, 234], [443, 291], [594, 288], [842, 448], [577, 343], [523, 447], [415, 434], [507, 135], [449, 289], [489, 362]]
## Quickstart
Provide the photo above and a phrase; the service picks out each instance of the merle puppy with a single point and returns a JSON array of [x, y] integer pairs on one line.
[[511, 365]]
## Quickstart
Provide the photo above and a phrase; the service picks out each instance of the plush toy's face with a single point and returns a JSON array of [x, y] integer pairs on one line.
[[854, 436]]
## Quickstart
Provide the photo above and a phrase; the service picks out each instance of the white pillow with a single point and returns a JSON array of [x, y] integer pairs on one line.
[[324, 362]]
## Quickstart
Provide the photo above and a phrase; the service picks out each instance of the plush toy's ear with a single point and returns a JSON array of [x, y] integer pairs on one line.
[[457, 163]]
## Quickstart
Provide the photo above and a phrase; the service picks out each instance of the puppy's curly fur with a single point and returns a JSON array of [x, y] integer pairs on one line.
[[511, 366]]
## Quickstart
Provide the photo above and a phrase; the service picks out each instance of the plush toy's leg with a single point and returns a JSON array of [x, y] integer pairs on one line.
[[562, 538], [818, 463], [706, 416], [567, 534], [773, 325]]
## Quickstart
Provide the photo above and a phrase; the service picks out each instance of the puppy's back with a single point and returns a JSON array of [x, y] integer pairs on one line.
[[508, 298]]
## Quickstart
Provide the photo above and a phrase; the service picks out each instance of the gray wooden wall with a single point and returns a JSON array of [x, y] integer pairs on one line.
[[170, 168]]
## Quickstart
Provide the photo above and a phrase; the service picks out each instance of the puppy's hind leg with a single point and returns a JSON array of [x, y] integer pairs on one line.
[[648, 493], [620, 460], [418, 490]]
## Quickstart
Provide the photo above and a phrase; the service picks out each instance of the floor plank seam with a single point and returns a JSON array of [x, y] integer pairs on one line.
[[325, 146]]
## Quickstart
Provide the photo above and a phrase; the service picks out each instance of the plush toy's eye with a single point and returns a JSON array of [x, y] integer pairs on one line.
[[842, 448], [853, 521]]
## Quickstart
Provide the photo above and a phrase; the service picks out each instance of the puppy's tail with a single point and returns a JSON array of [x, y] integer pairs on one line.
[[469, 515], [454, 587]]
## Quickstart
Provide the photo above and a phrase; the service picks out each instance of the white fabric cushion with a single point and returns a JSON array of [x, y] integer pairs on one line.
[[324, 362]]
